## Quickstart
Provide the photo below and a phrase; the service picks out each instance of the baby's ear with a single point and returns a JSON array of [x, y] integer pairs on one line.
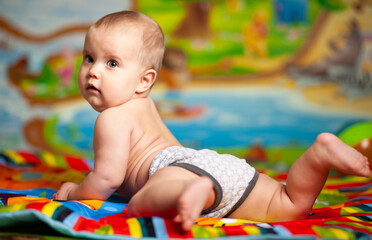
[[146, 81]]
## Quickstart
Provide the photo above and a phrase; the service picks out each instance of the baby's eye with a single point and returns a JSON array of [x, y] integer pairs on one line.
[[88, 59], [112, 64]]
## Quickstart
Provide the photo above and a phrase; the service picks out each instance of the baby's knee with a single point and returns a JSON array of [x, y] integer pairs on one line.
[[282, 207], [132, 210], [135, 207], [297, 212], [293, 210]]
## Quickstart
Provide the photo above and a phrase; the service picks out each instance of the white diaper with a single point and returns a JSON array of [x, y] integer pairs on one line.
[[233, 178]]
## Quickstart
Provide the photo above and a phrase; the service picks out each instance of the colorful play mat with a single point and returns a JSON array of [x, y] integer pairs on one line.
[[28, 180]]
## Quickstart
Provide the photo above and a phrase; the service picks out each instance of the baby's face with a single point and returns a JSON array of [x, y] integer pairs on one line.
[[110, 72]]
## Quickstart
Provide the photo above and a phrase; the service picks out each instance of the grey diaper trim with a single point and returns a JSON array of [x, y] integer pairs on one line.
[[216, 185], [247, 191]]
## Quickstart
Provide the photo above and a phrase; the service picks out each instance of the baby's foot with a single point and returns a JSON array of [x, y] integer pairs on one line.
[[192, 201], [340, 156]]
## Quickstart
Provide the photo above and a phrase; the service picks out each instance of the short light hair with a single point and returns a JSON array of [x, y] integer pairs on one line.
[[152, 50]]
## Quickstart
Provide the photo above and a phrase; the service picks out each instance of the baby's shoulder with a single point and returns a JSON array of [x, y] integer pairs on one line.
[[129, 111], [113, 115]]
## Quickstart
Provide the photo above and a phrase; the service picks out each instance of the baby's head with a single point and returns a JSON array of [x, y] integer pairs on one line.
[[152, 50], [122, 56]]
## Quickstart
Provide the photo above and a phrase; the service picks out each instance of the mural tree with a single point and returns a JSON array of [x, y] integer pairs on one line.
[[195, 24]]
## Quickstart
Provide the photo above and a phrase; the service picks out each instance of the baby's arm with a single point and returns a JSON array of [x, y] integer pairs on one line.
[[111, 150]]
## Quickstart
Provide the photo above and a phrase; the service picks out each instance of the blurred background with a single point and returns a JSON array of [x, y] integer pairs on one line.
[[258, 79]]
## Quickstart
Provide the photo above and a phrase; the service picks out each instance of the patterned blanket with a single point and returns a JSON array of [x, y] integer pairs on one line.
[[28, 181]]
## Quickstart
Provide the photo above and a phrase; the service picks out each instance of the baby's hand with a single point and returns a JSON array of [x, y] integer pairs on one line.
[[64, 191]]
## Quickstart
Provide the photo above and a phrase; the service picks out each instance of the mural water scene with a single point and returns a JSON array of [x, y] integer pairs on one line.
[[271, 117]]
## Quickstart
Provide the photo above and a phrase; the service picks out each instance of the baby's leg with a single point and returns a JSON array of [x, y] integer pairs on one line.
[[174, 193], [308, 174], [193, 200]]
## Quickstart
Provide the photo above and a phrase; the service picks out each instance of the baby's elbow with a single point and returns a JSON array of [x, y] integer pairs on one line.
[[113, 182], [108, 182]]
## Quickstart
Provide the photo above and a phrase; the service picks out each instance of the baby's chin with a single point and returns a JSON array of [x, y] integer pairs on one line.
[[98, 109], [95, 103], [101, 106]]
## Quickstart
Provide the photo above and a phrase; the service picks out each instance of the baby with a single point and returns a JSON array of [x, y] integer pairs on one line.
[[136, 155]]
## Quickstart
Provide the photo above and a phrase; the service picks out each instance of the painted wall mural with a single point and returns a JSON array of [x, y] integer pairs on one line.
[[260, 79]]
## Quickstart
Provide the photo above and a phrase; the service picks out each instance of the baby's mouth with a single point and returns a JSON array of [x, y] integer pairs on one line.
[[92, 88]]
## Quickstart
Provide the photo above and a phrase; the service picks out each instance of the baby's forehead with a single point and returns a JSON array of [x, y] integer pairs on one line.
[[121, 31], [115, 39]]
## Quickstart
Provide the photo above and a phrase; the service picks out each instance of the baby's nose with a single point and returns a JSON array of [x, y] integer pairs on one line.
[[94, 71]]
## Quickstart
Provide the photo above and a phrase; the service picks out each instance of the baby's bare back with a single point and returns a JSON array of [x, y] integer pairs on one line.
[[148, 137]]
